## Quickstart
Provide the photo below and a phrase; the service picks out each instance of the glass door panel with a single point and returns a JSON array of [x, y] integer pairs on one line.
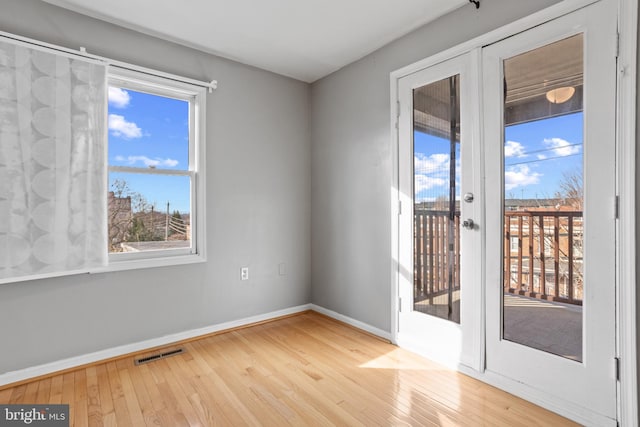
[[549, 148], [543, 198], [436, 163]]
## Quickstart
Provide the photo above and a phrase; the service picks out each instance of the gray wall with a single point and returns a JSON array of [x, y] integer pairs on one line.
[[351, 162], [263, 180], [258, 209]]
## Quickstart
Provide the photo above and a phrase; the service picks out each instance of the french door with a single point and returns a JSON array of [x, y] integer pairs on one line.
[[507, 229], [549, 120], [440, 247]]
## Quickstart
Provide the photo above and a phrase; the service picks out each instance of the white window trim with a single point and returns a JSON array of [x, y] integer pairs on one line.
[[174, 87]]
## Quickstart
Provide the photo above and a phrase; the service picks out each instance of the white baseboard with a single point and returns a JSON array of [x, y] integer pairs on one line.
[[350, 321], [73, 362], [76, 361]]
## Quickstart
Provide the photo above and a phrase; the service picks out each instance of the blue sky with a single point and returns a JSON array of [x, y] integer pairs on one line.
[[150, 132], [536, 155]]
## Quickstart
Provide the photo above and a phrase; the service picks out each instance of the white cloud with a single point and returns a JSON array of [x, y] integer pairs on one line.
[[431, 171], [431, 164], [120, 127], [118, 97], [561, 147], [514, 149], [520, 175], [425, 182], [149, 162]]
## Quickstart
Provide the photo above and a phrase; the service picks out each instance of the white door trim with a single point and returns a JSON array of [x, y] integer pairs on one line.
[[626, 137]]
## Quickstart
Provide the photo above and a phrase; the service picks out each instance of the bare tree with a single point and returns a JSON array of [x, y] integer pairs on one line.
[[570, 189], [124, 205]]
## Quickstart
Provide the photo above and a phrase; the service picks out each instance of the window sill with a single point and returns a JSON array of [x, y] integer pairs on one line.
[[122, 263], [116, 265]]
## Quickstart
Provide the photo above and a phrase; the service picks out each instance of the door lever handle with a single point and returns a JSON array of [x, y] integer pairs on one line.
[[468, 224]]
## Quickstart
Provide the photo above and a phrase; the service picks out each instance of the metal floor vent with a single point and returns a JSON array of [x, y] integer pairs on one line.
[[159, 356]]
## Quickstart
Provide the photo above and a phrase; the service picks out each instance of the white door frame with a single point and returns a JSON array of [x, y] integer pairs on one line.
[[626, 169]]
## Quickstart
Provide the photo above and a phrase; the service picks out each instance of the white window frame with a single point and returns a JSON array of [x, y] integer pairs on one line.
[[196, 96], [515, 243]]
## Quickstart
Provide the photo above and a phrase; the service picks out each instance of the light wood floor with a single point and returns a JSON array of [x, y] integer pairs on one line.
[[301, 370]]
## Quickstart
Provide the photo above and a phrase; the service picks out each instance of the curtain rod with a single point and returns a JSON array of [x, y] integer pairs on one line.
[[82, 52]]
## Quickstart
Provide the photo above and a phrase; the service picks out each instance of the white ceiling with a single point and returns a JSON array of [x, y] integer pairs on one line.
[[303, 39]]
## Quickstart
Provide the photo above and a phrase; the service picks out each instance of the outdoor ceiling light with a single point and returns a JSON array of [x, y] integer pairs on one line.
[[561, 94]]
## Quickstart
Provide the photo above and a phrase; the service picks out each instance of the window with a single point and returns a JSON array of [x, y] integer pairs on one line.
[[155, 169], [132, 200], [514, 243]]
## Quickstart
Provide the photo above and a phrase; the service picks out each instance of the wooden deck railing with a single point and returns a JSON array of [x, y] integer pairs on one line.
[[542, 254], [436, 264]]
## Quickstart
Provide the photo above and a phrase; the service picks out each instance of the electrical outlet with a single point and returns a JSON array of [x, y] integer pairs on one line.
[[281, 269], [244, 273]]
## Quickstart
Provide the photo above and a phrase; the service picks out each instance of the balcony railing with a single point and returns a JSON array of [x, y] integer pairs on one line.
[[542, 254], [436, 253]]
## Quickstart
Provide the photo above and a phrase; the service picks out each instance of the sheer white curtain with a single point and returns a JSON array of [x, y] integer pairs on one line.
[[52, 163]]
